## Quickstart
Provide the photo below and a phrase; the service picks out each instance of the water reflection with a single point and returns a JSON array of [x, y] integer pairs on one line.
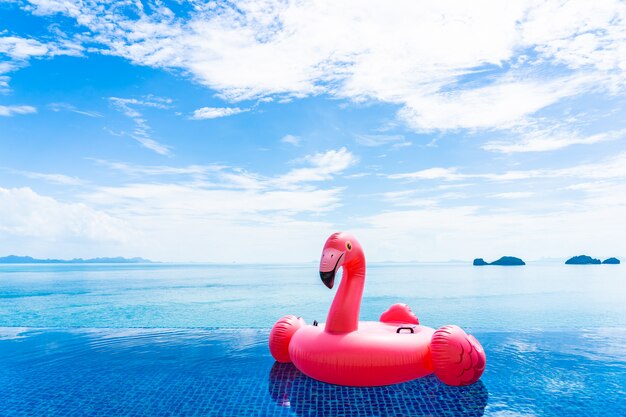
[[427, 396]]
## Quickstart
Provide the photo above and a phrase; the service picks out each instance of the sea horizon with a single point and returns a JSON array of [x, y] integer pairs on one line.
[[69, 260]]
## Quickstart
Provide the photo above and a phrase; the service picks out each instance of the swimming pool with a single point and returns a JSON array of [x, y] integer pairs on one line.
[[229, 372], [191, 341]]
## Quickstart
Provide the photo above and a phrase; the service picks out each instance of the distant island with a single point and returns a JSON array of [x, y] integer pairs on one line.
[[611, 261], [582, 260], [588, 260], [504, 261], [12, 259]]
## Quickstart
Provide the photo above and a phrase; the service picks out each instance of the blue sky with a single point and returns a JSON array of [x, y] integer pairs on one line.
[[209, 131]]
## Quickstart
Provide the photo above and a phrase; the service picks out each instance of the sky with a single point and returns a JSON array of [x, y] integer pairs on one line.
[[249, 131]]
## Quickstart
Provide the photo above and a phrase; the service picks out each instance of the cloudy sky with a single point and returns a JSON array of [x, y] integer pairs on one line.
[[249, 131]]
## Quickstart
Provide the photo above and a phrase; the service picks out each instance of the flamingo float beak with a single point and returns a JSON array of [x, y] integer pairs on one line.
[[330, 262]]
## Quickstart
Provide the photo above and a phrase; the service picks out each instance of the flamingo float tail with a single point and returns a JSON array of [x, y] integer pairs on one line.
[[458, 358]]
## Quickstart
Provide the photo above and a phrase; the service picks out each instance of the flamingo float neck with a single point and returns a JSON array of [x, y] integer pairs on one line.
[[343, 316]]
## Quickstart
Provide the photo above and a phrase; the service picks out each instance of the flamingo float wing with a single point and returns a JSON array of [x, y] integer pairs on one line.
[[399, 313]]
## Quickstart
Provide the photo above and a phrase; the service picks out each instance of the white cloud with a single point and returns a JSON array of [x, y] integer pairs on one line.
[[579, 34], [466, 232], [57, 107], [333, 160], [291, 140], [444, 65], [6, 67], [17, 51], [197, 212], [537, 227], [206, 213], [4, 83], [215, 112], [8, 111], [610, 168], [141, 132], [200, 201], [550, 139], [24, 213], [60, 179], [448, 64], [437, 173], [412, 198], [126, 104], [396, 141], [514, 195], [196, 171], [218, 213], [243, 216], [22, 48], [229, 214], [501, 105], [152, 144], [322, 167]]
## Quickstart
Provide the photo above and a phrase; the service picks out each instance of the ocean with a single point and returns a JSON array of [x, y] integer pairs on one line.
[[191, 340], [545, 296]]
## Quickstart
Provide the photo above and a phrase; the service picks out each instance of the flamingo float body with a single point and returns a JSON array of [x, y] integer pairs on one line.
[[396, 349]]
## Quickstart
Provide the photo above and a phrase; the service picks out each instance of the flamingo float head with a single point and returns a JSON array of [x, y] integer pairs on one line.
[[340, 249]]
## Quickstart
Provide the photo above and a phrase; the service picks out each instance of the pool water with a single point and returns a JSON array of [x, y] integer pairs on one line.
[[191, 340], [229, 372]]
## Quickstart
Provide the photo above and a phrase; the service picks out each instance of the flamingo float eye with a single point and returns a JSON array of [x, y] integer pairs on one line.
[[348, 245]]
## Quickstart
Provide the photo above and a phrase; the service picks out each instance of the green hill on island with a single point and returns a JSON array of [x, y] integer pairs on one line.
[[12, 259]]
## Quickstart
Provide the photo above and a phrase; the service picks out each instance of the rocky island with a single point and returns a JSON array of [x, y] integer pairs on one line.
[[582, 260], [504, 261], [611, 261]]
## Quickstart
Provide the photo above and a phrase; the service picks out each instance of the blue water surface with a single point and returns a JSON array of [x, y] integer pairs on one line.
[[190, 340], [550, 296]]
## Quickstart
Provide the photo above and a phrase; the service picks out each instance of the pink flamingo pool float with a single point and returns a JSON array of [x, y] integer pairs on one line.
[[396, 349]]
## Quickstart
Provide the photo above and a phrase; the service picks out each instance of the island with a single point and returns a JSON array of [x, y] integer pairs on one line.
[[12, 259], [504, 261], [582, 260], [611, 261], [508, 261]]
